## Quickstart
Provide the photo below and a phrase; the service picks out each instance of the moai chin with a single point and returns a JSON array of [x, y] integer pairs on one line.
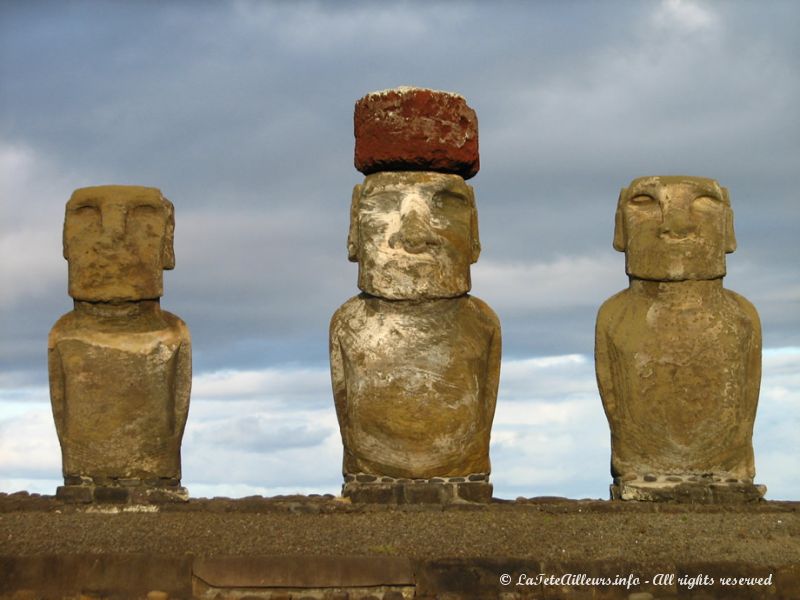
[[415, 360], [120, 367], [678, 357]]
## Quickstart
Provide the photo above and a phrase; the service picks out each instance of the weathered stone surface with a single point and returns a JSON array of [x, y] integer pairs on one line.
[[117, 241], [688, 492], [414, 235], [306, 572], [120, 367], [75, 493], [106, 575], [678, 357], [112, 495], [415, 385], [437, 490], [475, 491], [158, 495], [415, 360], [413, 129]]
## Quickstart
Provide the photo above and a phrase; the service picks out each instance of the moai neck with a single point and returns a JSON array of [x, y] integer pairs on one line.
[[416, 304], [688, 293], [142, 314]]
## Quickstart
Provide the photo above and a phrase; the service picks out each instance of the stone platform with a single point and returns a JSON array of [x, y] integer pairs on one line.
[[326, 548], [687, 490], [363, 487], [112, 490]]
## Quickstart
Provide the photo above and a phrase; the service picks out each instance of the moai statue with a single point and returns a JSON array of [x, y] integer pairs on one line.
[[678, 357], [120, 367], [415, 360]]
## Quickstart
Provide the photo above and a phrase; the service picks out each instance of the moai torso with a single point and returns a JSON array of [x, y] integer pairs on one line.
[[414, 402], [415, 359], [114, 422], [120, 367], [677, 355]]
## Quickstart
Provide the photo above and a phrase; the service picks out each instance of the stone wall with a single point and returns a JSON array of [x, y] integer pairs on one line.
[[153, 577]]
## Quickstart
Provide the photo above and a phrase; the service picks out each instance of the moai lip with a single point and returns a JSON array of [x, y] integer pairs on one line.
[[415, 360], [120, 367], [414, 129], [678, 356]]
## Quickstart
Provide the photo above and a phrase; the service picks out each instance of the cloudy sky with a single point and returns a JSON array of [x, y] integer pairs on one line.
[[241, 112]]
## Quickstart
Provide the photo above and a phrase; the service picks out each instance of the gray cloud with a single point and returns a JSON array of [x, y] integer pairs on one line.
[[241, 113], [256, 434]]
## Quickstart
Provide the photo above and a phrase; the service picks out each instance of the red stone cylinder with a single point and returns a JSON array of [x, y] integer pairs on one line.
[[413, 129]]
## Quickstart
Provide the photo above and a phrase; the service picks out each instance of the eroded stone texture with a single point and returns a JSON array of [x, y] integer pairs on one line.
[[416, 129], [415, 359], [678, 357], [414, 235], [120, 367]]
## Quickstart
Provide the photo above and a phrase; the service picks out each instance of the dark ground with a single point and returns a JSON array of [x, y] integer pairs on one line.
[[759, 534]]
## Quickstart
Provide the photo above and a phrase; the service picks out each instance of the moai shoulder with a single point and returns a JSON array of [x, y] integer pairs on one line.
[[120, 367], [415, 386], [415, 359], [678, 357]]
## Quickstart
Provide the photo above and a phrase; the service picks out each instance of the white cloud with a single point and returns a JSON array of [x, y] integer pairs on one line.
[[568, 281], [684, 16], [34, 192], [275, 432], [273, 385], [28, 443]]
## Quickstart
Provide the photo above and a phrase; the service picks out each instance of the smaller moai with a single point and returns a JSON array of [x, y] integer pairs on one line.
[[120, 367], [415, 359], [678, 357]]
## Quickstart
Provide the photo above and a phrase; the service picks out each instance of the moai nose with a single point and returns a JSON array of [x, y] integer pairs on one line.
[[114, 223], [416, 234], [675, 221]]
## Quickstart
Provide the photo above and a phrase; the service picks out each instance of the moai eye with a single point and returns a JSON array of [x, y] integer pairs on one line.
[[706, 203], [453, 197], [147, 217], [642, 199], [85, 215]]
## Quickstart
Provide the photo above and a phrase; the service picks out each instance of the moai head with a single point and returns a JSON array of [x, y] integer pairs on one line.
[[414, 235], [118, 240], [413, 222], [674, 228]]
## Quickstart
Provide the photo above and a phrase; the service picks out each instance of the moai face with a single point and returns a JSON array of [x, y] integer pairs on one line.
[[674, 228], [118, 240], [413, 234]]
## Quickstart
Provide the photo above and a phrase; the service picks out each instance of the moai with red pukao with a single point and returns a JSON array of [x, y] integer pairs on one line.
[[415, 359]]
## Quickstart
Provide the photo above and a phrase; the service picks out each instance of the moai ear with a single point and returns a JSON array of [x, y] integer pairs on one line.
[[730, 236], [473, 225], [64, 237], [352, 235], [168, 248], [620, 239]]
